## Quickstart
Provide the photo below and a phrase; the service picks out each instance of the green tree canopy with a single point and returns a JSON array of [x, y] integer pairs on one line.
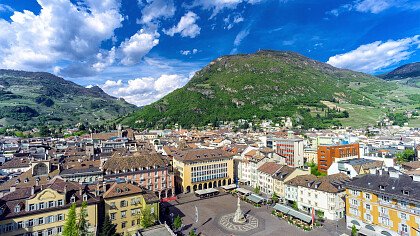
[[177, 222], [83, 225], [108, 228], [147, 217], [406, 155], [70, 227]]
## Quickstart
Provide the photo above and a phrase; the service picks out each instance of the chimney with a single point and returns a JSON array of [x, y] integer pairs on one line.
[[32, 190], [65, 189], [80, 191], [37, 182], [12, 189], [104, 186]]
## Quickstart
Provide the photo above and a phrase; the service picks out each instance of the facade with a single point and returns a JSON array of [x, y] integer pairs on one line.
[[148, 170], [284, 174], [198, 169], [310, 155], [355, 167], [386, 203], [265, 177], [291, 149], [251, 159], [124, 203], [328, 154], [41, 210], [324, 194]]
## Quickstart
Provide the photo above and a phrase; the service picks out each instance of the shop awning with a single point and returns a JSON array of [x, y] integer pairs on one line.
[[206, 191], [255, 198], [244, 191], [292, 212], [229, 187]]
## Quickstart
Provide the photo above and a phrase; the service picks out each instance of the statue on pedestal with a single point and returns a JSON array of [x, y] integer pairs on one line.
[[239, 215]]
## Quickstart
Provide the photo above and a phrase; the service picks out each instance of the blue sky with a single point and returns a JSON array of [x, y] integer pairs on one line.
[[143, 49]]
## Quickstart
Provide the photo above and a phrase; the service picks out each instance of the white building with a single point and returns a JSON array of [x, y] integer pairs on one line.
[[355, 167], [324, 194]]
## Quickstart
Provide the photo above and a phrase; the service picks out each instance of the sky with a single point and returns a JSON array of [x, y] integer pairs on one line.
[[141, 50]]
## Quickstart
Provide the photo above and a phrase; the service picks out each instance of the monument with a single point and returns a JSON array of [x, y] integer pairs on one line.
[[239, 217]]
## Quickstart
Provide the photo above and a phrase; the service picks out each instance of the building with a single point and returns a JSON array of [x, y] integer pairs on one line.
[[324, 194], [41, 210], [290, 149], [251, 159], [265, 177], [197, 169], [284, 174], [384, 203], [124, 203], [328, 154], [148, 170], [355, 167], [310, 155]]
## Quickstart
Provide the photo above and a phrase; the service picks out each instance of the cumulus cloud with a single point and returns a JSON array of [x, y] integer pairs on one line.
[[61, 31], [135, 48], [187, 26], [145, 90], [377, 55], [156, 9]]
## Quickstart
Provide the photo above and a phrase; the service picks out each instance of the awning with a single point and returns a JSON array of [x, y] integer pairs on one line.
[[255, 198], [206, 191], [229, 187], [292, 212], [244, 191]]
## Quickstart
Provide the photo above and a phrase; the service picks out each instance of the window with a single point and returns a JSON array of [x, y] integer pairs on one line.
[[51, 219], [17, 208], [133, 222], [368, 217], [354, 202], [385, 221], [354, 192], [72, 199], [403, 204], [123, 203], [403, 216], [41, 221], [385, 198], [60, 217], [51, 204], [60, 202], [354, 211], [32, 207], [59, 229], [123, 224], [404, 228], [112, 205], [20, 225], [367, 196], [112, 216], [368, 207], [50, 231], [41, 205], [381, 187], [30, 223], [123, 214]]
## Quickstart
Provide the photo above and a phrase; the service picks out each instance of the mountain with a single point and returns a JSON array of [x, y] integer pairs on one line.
[[266, 84], [33, 98], [408, 74]]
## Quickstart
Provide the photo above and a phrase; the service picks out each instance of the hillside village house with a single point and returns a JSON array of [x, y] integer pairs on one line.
[[324, 194], [198, 169]]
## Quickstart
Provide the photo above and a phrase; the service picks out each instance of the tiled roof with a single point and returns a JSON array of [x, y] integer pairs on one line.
[[331, 183], [270, 168], [122, 189], [134, 160], [16, 163], [201, 155]]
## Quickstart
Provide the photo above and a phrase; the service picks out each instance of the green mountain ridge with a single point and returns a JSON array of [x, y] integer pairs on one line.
[[408, 74], [40, 98], [268, 85]]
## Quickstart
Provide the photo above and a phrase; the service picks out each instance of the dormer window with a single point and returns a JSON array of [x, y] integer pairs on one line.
[[26, 180], [85, 197], [73, 199], [406, 192], [17, 208], [118, 190], [381, 187], [17, 181]]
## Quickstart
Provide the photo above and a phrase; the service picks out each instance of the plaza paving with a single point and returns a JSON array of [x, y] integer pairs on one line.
[[213, 209]]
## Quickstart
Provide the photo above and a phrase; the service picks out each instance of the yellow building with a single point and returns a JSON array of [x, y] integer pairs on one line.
[[42, 210], [386, 203], [197, 169], [124, 203]]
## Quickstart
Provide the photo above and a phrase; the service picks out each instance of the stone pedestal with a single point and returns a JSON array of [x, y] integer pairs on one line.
[[239, 217]]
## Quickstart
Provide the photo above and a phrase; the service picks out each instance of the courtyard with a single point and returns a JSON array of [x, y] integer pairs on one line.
[[211, 213]]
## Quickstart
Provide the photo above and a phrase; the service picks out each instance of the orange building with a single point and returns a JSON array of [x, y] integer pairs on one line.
[[328, 153]]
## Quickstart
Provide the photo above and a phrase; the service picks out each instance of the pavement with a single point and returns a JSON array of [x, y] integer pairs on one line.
[[210, 211]]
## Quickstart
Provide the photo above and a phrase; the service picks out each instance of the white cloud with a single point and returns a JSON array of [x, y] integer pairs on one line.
[[230, 21], [188, 52], [157, 9], [145, 90], [375, 6], [187, 26], [240, 36], [137, 46], [219, 5], [5, 8], [61, 31], [377, 55]]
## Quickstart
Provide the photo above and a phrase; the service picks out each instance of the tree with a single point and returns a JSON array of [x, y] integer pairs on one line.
[[147, 217], [192, 233], [108, 228], [83, 226], [177, 222], [257, 189], [295, 206], [353, 231], [70, 227], [406, 155], [275, 198]]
